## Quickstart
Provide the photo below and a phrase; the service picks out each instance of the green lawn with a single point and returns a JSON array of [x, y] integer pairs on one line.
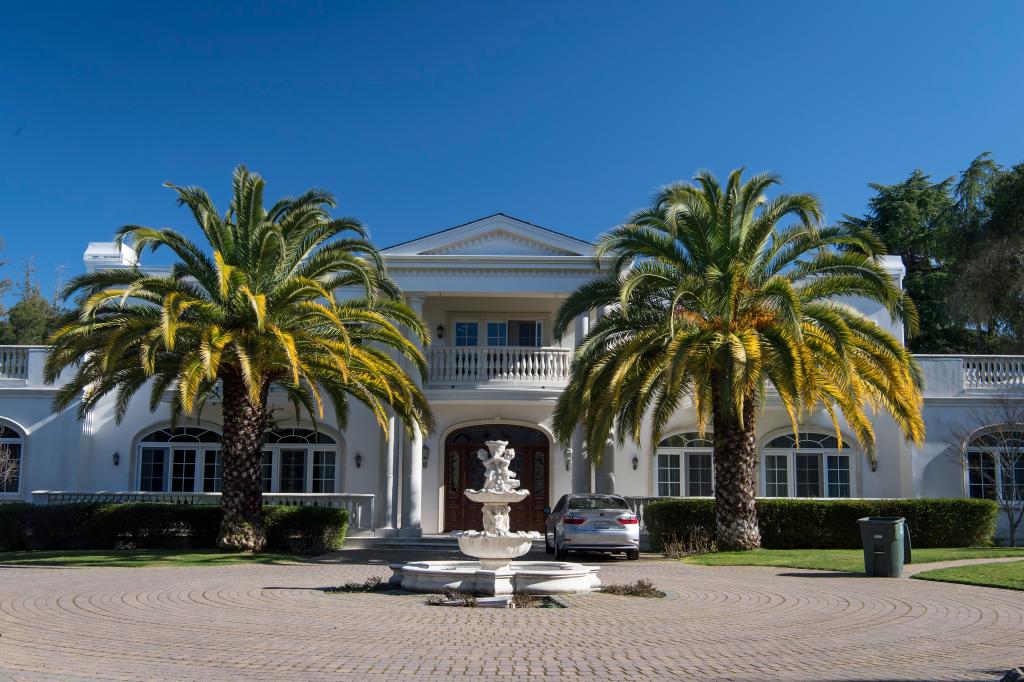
[[1009, 575], [141, 557], [843, 560]]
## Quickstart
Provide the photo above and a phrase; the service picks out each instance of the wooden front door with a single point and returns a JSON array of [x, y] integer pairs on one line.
[[463, 469]]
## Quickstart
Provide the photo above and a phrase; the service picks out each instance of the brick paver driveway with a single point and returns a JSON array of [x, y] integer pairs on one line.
[[270, 622]]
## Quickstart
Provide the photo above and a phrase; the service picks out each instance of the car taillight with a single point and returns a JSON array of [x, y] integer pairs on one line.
[[628, 520], [573, 520]]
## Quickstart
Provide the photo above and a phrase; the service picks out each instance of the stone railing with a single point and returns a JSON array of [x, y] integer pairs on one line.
[[993, 372], [14, 362], [359, 507], [950, 375], [455, 365]]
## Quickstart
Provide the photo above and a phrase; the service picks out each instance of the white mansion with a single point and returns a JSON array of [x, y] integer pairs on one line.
[[489, 289]]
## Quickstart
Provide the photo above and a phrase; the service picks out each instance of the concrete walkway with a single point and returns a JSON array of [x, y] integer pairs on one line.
[[911, 569], [272, 623]]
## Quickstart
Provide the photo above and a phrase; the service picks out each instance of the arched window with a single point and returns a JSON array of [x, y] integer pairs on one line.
[[183, 459], [10, 459], [298, 460], [995, 465], [807, 465], [685, 465]]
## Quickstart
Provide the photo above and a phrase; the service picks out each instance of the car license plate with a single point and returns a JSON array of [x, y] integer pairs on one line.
[[602, 524]]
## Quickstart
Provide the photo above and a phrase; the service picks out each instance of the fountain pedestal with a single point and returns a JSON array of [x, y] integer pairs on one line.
[[494, 573]]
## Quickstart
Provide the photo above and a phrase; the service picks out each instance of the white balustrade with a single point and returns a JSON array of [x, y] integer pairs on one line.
[[993, 372], [14, 362], [454, 365], [360, 507]]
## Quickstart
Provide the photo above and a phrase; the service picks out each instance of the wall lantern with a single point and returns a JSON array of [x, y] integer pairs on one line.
[[359, 460], [117, 458], [567, 455], [426, 455], [636, 462], [440, 331]]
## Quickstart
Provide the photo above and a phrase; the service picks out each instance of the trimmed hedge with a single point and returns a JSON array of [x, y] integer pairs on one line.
[[832, 524], [143, 525]]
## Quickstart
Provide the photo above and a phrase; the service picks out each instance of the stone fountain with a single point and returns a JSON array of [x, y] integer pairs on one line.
[[494, 572]]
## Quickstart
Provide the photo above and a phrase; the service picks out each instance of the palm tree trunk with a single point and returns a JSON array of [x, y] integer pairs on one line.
[[241, 527], [735, 455]]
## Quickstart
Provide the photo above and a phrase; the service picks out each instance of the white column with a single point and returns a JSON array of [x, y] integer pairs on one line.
[[413, 475], [389, 502], [605, 478], [411, 493], [581, 469]]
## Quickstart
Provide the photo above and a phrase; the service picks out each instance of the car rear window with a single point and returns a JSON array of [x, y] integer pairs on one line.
[[598, 502]]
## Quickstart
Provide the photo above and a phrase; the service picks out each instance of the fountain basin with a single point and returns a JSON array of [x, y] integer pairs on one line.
[[495, 550], [518, 577], [495, 497]]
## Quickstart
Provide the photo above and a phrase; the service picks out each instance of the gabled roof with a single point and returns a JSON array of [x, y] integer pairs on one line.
[[495, 235]]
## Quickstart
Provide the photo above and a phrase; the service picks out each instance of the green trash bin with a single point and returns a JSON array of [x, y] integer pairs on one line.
[[883, 538]]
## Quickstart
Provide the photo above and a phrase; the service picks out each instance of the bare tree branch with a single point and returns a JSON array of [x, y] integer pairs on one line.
[[9, 467], [990, 447]]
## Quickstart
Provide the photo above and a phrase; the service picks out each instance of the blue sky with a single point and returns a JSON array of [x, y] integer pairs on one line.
[[419, 116]]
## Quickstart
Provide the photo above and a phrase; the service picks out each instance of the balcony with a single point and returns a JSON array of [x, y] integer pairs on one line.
[[22, 366], [951, 375], [454, 366]]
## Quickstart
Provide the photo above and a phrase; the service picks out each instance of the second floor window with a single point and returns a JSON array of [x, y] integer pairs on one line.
[[525, 333], [466, 334]]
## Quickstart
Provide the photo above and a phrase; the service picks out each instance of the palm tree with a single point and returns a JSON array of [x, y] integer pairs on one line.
[[262, 309], [711, 301]]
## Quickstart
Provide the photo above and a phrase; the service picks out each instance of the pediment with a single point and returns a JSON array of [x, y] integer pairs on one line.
[[497, 235]]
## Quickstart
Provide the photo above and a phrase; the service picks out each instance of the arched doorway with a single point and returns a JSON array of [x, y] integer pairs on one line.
[[462, 470]]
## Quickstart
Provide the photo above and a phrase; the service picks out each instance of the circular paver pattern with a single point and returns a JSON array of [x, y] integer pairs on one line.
[[271, 622]]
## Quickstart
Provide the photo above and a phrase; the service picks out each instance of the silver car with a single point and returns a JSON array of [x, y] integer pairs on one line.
[[592, 523]]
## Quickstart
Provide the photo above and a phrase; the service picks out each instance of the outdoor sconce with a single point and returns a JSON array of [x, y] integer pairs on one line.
[[426, 455], [359, 460], [117, 458], [440, 331], [567, 455], [636, 462]]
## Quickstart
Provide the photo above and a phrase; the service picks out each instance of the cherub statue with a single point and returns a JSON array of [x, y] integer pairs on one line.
[[496, 519], [498, 476]]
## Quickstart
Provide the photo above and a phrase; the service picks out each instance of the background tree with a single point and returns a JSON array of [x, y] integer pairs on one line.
[[260, 308], [915, 219], [32, 318], [717, 304], [961, 241]]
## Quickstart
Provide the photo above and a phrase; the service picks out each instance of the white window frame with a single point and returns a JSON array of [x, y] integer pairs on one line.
[[168, 447], [988, 451], [689, 443], [824, 453], [487, 333], [541, 320], [310, 449], [455, 334], [19, 440], [202, 448], [680, 456]]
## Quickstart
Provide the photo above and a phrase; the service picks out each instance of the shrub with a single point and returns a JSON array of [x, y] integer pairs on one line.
[[832, 524], [641, 588], [14, 526], [144, 525], [305, 530]]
